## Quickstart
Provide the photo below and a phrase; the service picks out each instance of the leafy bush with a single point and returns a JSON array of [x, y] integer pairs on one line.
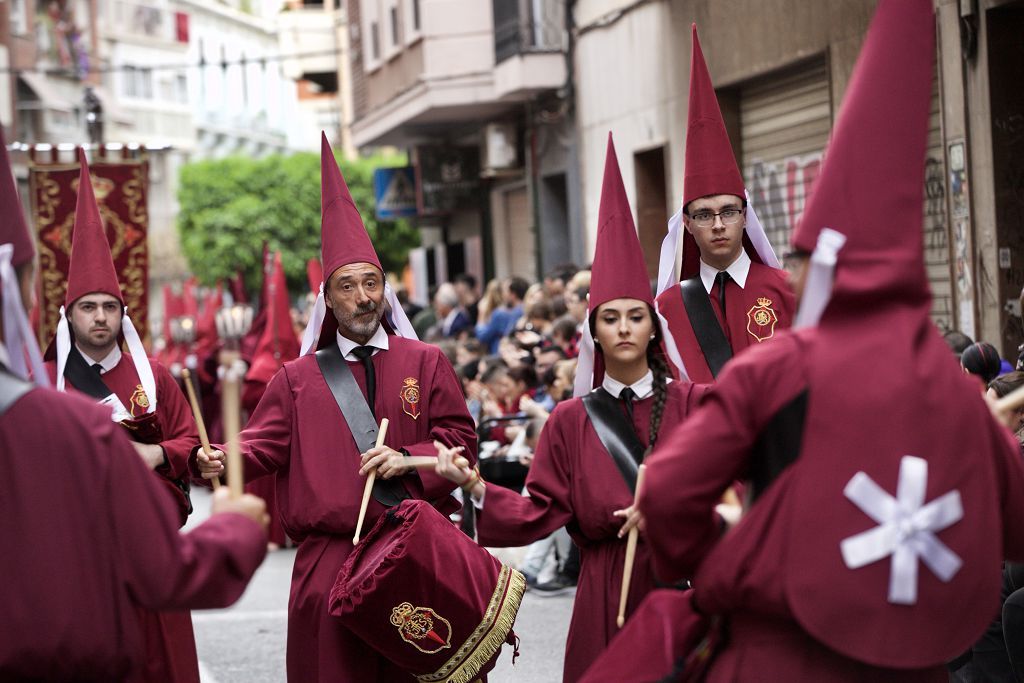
[[230, 207]]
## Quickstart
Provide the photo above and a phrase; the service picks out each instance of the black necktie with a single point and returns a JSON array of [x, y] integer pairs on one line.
[[365, 355], [722, 279], [628, 396], [97, 368], [387, 492]]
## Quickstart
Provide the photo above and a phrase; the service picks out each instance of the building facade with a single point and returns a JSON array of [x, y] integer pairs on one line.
[[476, 93], [780, 97]]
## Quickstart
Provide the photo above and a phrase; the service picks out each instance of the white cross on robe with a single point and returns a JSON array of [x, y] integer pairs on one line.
[[906, 528]]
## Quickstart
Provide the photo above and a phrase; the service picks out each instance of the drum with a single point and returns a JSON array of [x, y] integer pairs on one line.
[[426, 597]]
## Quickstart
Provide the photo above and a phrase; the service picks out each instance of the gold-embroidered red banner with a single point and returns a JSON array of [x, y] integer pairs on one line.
[[121, 188]]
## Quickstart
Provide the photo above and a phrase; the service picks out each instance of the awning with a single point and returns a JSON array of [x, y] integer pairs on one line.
[[54, 93]]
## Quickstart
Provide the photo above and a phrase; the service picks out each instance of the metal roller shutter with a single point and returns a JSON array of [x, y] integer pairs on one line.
[[936, 222], [785, 121]]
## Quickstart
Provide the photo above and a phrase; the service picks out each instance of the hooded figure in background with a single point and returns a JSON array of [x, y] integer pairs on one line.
[[732, 294], [86, 356]]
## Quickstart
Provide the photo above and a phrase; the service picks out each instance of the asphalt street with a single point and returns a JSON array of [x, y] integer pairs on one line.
[[246, 643]]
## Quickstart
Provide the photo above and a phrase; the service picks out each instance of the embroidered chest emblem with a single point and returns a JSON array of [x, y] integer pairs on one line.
[[761, 320], [422, 627], [411, 397], [139, 401]]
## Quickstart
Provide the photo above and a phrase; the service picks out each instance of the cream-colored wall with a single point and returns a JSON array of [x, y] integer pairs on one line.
[[624, 85]]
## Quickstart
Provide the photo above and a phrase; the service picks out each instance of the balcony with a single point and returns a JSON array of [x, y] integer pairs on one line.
[[527, 27], [529, 40], [308, 31]]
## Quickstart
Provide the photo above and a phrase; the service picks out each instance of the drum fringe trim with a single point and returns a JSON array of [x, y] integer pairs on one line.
[[505, 601]]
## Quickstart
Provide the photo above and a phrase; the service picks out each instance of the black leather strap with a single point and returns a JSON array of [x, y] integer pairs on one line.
[[616, 433], [708, 331], [356, 412], [83, 377], [11, 389], [778, 445]]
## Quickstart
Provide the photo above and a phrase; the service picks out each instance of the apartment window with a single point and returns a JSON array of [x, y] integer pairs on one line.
[[181, 88], [129, 82], [394, 26], [413, 21], [374, 40], [19, 17]]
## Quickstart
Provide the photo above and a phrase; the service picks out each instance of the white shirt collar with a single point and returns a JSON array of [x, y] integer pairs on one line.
[[737, 271], [5, 357], [379, 341], [108, 363], [643, 387]]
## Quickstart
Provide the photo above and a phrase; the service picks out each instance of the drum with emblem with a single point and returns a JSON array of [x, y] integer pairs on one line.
[[426, 597]]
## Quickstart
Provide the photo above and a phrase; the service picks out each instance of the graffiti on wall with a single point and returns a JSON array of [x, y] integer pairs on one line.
[[779, 190]]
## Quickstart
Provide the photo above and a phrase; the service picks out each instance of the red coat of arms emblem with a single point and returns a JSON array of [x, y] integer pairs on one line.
[[411, 397], [422, 627], [761, 320]]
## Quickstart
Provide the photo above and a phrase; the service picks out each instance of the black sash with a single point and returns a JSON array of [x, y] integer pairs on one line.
[[83, 377], [778, 445], [616, 433], [360, 420], [705, 325], [11, 389]]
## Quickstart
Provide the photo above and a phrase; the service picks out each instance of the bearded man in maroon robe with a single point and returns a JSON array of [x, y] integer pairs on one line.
[[301, 432]]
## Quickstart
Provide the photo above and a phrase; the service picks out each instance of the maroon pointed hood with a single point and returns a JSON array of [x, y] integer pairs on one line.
[[278, 342], [890, 414], [869, 187], [711, 166], [91, 266], [619, 270], [343, 237], [13, 229]]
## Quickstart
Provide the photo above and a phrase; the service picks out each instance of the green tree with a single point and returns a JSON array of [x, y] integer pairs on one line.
[[230, 207]]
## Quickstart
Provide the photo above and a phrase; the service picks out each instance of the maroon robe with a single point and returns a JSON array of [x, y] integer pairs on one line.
[[170, 641], [744, 575], [101, 538], [574, 482], [742, 310], [298, 432]]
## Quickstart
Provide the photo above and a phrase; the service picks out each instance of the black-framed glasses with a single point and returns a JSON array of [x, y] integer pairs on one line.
[[705, 218]]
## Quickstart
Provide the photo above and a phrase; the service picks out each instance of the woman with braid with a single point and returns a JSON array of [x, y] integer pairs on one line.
[[575, 481]]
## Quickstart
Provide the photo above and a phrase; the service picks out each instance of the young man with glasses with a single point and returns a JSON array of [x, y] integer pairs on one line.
[[733, 293]]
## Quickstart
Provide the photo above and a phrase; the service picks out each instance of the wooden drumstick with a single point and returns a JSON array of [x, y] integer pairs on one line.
[[231, 389], [423, 462], [200, 424], [627, 570], [370, 478]]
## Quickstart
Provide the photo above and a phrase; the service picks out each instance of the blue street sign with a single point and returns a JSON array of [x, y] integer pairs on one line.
[[394, 190]]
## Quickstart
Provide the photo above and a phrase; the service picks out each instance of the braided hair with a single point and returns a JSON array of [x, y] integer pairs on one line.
[[659, 369]]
